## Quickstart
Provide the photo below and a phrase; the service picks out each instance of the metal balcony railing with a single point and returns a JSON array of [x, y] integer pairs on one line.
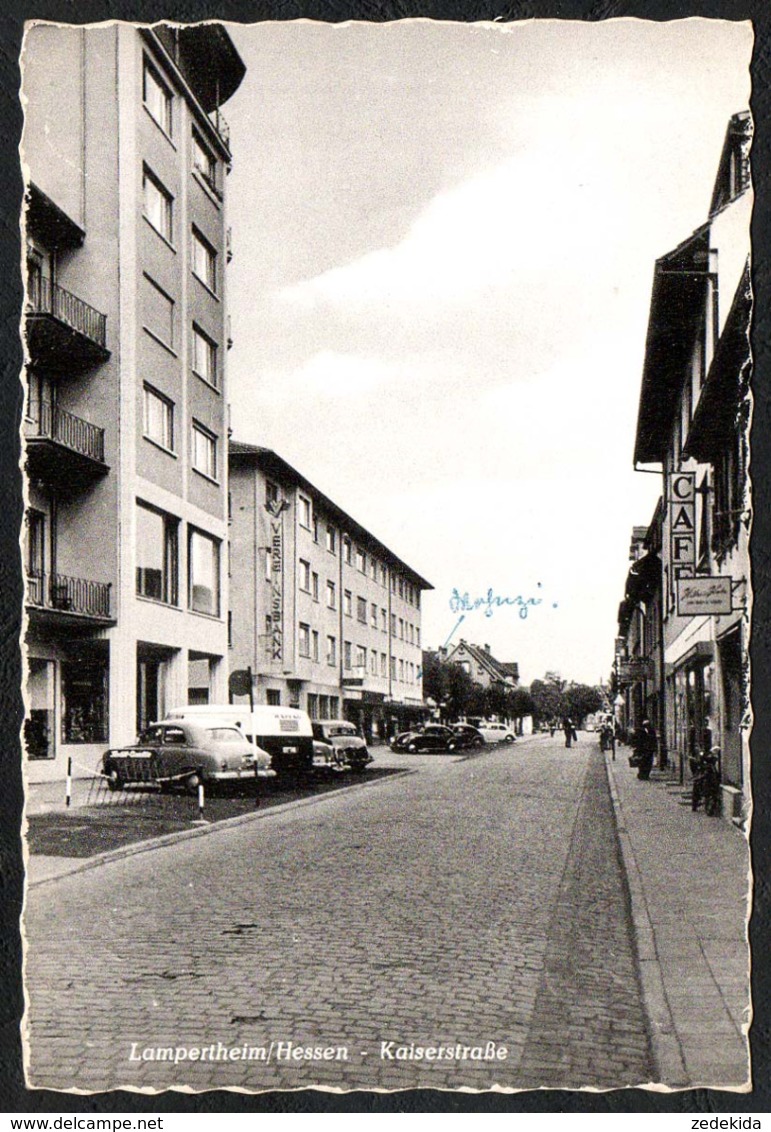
[[45, 297], [50, 423], [69, 595], [220, 124]]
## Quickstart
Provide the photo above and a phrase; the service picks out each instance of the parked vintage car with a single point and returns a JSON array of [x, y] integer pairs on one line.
[[346, 741], [496, 732], [432, 737], [468, 736], [401, 741], [326, 758], [178, 753]]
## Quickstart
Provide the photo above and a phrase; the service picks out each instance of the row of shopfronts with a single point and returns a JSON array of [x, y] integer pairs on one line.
[[683, 625]]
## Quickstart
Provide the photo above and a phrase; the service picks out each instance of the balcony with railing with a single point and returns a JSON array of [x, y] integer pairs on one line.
[[220, 123], [63, 333], [69, 599], [62, 448]]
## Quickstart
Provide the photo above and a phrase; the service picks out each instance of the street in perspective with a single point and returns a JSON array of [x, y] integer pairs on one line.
[[387, 556]]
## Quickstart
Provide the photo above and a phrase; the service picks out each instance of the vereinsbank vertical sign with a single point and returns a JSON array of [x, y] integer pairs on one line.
[[276, 612]]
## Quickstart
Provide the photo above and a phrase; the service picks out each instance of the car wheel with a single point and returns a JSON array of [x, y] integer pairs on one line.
[[192, 782], [114, 781]]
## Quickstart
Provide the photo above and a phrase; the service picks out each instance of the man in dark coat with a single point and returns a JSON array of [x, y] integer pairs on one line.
[[645, 749]]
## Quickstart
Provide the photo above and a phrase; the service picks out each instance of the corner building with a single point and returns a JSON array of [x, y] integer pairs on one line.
[[125, 421], [325, 615]]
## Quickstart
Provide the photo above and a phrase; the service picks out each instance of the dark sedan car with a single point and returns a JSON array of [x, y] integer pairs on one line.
[[468, 736], [177, 753], [433, 737], [346, 742]]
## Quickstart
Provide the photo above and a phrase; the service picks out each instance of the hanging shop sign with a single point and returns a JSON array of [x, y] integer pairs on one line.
[[703, 596], [638, 668], [682, 523]]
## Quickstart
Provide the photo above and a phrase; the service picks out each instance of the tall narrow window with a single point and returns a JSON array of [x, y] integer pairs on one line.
[[157, 555], [204, 451], [157, 311], [158, 418], [205, 163], [157, 98], [304, 511], [304, 640], [158, 204], [331, 651], [204, 261], [203, 553], [205, 357]]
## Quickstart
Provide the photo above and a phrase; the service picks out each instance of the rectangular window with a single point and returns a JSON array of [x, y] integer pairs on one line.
[[347, 610], [204, 451], [203, 554], [315, 529], [361, 560], [204, 261], [314, 645], [204, 354], [383, 665], [157, 555], [393, 667], [315, 587], [304, 575], [373, 662], [417, 636], [361, 610], [157, 311], [158, 418], [393, 624], [205, 163], [347, 654], [401, 587], [331, 540], [361, 656], [401, 629], [331, 601], [401, 670], [304, 640], [273, 697], [304, 511], [384, 620], [157, 98], [383, 576], [373, 615], [331, 651], [373, 569], [84, 701], [158, 205], [348, 550]]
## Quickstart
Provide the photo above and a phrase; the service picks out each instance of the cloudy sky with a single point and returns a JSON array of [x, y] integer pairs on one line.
[[444, 244]]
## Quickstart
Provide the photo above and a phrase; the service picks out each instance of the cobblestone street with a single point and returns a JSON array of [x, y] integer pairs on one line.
[[475, 901]]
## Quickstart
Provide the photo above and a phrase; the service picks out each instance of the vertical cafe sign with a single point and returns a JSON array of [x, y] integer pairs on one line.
[[276, 509], [682, 524]]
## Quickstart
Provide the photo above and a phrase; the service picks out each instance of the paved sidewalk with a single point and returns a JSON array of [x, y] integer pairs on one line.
[[688, 882]]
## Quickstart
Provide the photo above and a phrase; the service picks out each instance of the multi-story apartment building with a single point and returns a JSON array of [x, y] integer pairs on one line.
[[126, 154], [325, 615], [638, 667], [692, 423]]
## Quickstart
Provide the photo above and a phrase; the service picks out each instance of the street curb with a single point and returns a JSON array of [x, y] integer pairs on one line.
[[665, 1044], [160, 842]]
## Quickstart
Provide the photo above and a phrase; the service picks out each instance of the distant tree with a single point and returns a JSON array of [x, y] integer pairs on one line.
[[548, 699], [520, 703], [582, 700]]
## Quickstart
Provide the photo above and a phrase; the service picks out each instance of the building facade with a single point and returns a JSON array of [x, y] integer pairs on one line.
[[126, 154], [327, 617], [482, 666], [692, 424]]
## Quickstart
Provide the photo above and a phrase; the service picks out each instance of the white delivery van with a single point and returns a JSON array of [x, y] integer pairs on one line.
[[285, 733]]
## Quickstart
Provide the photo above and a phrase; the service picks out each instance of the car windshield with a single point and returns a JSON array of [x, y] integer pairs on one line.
[[339, 729], [225, 735]]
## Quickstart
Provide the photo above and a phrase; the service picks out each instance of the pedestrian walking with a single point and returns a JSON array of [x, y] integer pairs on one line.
[[569, 730], [645, 749]]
